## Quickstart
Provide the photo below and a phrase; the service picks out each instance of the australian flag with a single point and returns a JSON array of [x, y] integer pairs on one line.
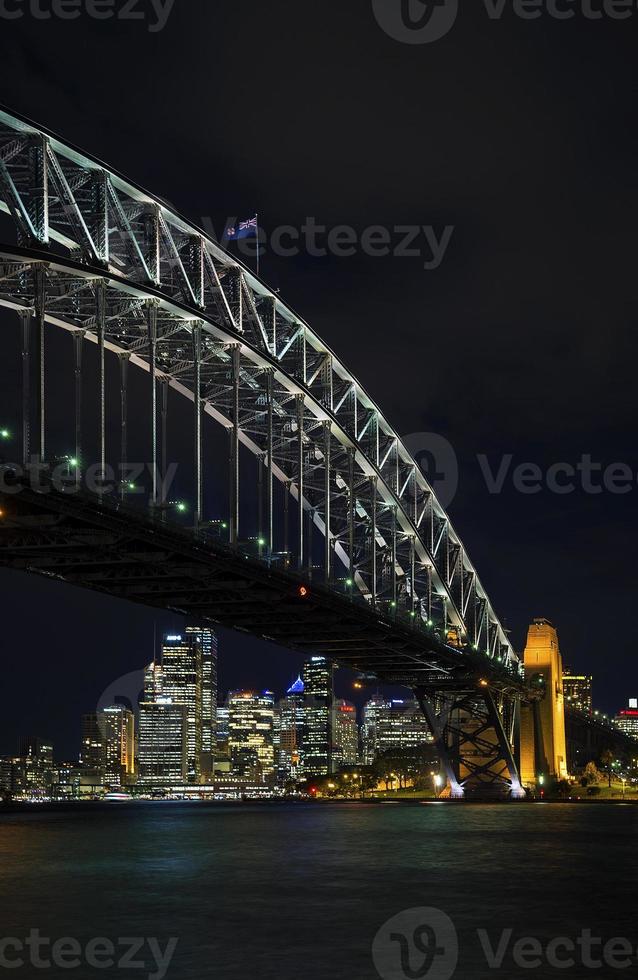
[[245, 229]]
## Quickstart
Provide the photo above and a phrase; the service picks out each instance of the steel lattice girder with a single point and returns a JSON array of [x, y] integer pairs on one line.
[[263, 373], [476, 734], [120, 551]]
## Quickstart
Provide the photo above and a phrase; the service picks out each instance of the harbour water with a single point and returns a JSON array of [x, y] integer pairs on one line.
[[301, 890]]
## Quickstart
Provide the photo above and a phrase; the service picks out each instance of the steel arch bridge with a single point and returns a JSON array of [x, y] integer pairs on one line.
[[114, 266]]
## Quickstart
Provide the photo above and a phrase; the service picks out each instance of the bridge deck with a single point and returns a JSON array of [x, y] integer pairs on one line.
[[129, 554]]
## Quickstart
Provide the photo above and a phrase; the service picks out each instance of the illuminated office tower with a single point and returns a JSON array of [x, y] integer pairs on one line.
[[392, 724], [181, 681], [163, 743], [577, 690], [117, 726], [290, 711], [250, 735], [35, 763], [153, 682], [208, 641], [221, 751], [318, 679], [345, 733], [627, 719], [92, 748]]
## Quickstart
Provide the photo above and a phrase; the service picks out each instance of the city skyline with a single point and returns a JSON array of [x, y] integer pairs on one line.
[[180, 729]]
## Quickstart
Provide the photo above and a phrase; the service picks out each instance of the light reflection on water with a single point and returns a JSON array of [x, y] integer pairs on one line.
[[299, 891]]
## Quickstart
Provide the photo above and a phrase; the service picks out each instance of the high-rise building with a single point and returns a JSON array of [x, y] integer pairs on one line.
[[222, 731], [250, 734], [163, 743], [208, 641], [117, 727], [345, 733], [577, 691], [318, 680], [627, 718], [92, 749], [181, 679], [34, 769], [290, 716], [392, 724]]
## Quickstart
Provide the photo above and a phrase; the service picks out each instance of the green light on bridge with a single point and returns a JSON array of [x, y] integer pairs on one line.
[[5, 434]]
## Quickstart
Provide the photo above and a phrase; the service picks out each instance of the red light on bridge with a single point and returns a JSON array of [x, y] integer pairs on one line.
[[304, 591]]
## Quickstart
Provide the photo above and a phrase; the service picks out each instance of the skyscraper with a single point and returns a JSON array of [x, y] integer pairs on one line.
[[290, 712], [345, 731], [92, 749], [117, 728], [182, 683], [318, 679], [250, 734], [163, 743], [577, 690], [208, 641]]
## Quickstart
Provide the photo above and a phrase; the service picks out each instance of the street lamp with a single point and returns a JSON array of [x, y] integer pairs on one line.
[[437, 780]]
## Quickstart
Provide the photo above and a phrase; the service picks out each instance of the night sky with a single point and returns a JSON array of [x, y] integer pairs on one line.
[[520, 134]]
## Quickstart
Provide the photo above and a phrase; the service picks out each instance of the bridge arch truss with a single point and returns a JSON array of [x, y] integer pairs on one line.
[[101, 258]]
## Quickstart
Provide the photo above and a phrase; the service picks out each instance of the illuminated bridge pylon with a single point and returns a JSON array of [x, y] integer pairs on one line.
[[336, 497]]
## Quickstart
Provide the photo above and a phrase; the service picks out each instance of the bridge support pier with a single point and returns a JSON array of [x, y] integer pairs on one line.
[[474, 736]]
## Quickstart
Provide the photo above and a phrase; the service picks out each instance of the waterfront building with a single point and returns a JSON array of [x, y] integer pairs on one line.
[[317, 743], [345, 729], [92, 749], [117, 727], [289, 734], [182, 683], [577, 691], [163, 743], [251, 734], [627, 718], [33, 769], [221, 750], [208, 642], [397, 724]]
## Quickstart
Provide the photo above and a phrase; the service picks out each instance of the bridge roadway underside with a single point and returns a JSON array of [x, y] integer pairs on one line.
[[128, 554]]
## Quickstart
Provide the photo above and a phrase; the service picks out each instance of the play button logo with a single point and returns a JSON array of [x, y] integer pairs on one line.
[[416, 21]]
